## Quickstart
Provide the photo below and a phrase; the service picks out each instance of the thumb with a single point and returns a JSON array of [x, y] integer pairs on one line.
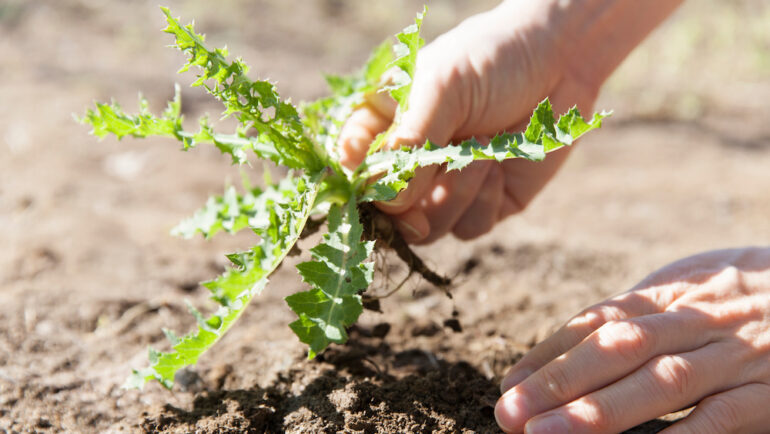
[[359, 131], [433, 114]]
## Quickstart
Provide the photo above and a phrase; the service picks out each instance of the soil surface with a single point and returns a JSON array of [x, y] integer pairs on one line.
[[89, 275]]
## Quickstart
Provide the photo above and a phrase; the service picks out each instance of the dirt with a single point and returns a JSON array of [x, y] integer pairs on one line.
[[89, 275]]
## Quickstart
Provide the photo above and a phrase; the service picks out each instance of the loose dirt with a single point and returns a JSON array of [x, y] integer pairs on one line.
[[89, 274]]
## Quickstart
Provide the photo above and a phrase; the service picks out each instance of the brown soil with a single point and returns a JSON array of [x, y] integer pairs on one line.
[[89, 275]]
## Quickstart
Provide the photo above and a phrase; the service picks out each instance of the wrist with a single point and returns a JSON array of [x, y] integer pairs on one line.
[[592, 37]]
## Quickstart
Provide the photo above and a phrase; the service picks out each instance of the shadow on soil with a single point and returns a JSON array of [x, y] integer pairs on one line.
[[352, 389], [351, 392]]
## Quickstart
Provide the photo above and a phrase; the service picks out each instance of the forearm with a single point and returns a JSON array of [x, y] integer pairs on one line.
[[595, 36]]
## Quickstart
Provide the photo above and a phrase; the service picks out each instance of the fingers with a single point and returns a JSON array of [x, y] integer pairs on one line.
[[435, 109], [744, 409], [419, 184], [358, 133], [450, 196], [413, 225], [524, 179], [688, 335], [483, 213], [624, 306], [417, 222], [664, 384], [431, 116], [620, 347], [383, 103]]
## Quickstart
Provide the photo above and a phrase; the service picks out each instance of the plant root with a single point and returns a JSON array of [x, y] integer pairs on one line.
[[378, 227]]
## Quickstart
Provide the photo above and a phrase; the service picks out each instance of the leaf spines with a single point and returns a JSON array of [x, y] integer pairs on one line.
[[337, 274], [232, 212], [543, 134], [248, 100], [234, 289], [405, 61]]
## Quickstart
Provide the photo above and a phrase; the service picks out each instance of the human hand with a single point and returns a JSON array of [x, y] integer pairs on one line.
[[695, 332], [480, 78]]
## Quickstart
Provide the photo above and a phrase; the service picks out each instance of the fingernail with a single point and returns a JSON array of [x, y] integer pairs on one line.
[[396, 201], [512, 380], [510, 412], [552, 423], [406, 227]]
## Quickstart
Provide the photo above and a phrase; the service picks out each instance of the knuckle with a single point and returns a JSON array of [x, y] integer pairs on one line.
[[426, 74], [733, 276], [589, 319], [675, 376], [722, 413], [631, 340], [596, 316], [450, 76], [557, 384], [599, 415]]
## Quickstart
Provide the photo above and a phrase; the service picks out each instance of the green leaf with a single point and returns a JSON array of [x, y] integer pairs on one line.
[[340, 85], [278, 132], [323, 118], [111, 119], [541, 123], [337, 274], [232, 212], [249, 101], [542, 135], [367, 79], [409, 44], [234, 289], [378, 63]]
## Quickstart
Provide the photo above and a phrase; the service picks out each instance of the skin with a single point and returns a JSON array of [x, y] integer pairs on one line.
[[478, 79], [694, 332]]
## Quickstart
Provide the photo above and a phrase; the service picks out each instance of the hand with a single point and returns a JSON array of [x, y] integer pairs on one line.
[[695, 332], [480, 78]]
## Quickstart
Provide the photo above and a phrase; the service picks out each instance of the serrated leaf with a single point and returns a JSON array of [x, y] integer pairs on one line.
[[111, 119], [233, 212], [541, 123], [278, 131], [234, 289], [249, 101], [337, 274], [323, 118], [409, 44], [378, 63], [542, 135]]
